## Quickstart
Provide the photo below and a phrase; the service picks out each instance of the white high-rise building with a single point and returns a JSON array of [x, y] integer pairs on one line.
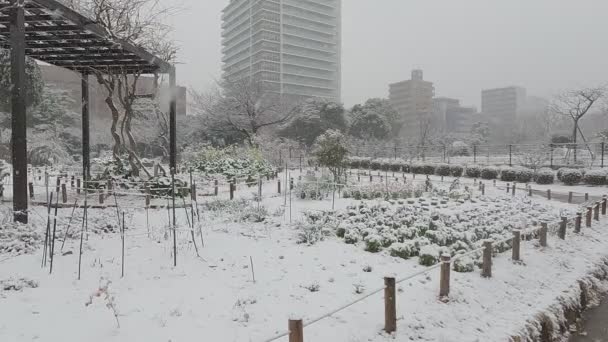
[[292, 46]]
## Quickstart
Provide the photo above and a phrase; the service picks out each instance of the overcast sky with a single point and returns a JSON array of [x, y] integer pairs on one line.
[[463, 46]]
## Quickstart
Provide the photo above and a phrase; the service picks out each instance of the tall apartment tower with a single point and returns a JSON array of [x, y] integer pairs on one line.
[[413, 99], [502, 107], [292, 46]]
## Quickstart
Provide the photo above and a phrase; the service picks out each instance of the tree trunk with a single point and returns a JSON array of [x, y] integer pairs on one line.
[[574, 136]]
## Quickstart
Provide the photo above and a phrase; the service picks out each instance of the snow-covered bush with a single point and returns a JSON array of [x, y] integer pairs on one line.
[[231, 162], [570, 176], [544, 176], [459, 149], [464, 264], [428, 255], [508, 174], [364, 162], [404, 250], [473, 171], [429, 168], [489, 172], [405, 166], [354, 162], [524, 175], [396, 165], [417, 168], [373, 243], [316, 227], [390, 190], [376, 164], [456, 170], [17, 238], [331, 151], [253, 214], [443, 170], [595, 176]]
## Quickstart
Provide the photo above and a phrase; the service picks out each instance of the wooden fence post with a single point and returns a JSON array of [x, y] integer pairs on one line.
[[586, 196], [193, 191], [516, 242], [570, 194], [72, 182], [562, 228], [78, 186], [444, 281], [588, 218], [514, 187], [64, 193], [596, 211], [279, 185], [291, 183], [530, 191], [58, 184], [483, 189], [577, 222], [370, 177], [604, 204], [31, 186], [549, 194], [486, 269], [231, 184], [508, 187], [390, 305], [216, 189], [296, 330], [101, 197], [542, 237]]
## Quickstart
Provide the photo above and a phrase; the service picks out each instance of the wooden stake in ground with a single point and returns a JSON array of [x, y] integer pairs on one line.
[[174, 225], [252, 271], [53, 236], [48, 229], [390, 305], [296, 330], [122, 237], [65, 236], [84, 219], [444, 281], [191, 225], [486, 269]]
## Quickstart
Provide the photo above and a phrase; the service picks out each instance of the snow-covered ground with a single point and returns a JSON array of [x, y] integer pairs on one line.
[[215, 298]]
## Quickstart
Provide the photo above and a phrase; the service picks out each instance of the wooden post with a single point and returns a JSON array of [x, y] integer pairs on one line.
[[549, 194], [596, 211], [508, 187], [72, 182], [588, 218], [231, 183], [604, 204], [290, 183], [31, 186], [562, 228], [358, 177], [64, 193], [109, 187], [570, 197], [483, 189], [58, 185], [216, 190], [543, 234], [390, 305], [586, 196], [370, 177], [486, 268], [444, 281], [279, 185], [193, 191], [529, 191], [296, 330], [516, 243], [514, 187], [577, 222], [101, 197], [78, 186]]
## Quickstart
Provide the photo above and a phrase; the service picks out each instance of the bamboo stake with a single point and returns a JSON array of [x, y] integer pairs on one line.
[[48, 228], [65, 237], [84, 216], [53, 237], [252, 270], [122, 237]]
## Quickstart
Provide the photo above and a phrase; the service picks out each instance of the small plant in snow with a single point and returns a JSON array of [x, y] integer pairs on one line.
[[314, 287], [373, 243], [428, 255], [359, 288], [367, 268], [404, 250], [103, 292], [465, 264]]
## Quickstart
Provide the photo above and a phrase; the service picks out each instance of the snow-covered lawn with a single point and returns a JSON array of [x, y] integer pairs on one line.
[[214, 297]]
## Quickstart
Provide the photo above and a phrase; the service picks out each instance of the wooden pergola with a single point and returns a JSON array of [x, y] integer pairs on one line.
[[51, 32]]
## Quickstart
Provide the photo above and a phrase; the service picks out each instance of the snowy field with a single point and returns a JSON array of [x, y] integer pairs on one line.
[[252, 276]]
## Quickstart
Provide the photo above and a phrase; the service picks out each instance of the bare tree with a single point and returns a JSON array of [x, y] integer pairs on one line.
[[575, 104], [140, 22], [246, 106]]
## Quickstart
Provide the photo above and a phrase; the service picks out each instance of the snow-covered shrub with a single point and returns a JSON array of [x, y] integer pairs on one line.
[[373, 243], [456, 170], [385, 164], [376, 164], [404, 250], [405, 166], [459, 149], [508, 174], [473, 171], [316, 227], [354, 162], [570, 176], [428, 255], [364, 162], [231, 162], [352, 236], [12, 284], [330, 150], [443, 170], [253, 214], [428, 168], [163, 186], [396, 164], [489, 172], [524, 175], [417, 168], [464, 264], [17, 238], [595, 176], [544, 176]]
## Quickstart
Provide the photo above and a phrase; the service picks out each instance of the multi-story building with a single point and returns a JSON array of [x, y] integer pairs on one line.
[[413, 99], [450, 117], [502, 107], [293, 47]]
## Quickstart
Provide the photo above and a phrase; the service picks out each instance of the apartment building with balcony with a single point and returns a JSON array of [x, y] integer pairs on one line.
[[292, 46], [413, 99]]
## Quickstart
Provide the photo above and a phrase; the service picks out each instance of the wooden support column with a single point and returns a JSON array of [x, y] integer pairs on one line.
[[86, 145], [18, 110], [172, 121]]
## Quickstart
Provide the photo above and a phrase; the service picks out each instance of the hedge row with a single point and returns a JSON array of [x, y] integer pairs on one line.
[[508, 174]]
